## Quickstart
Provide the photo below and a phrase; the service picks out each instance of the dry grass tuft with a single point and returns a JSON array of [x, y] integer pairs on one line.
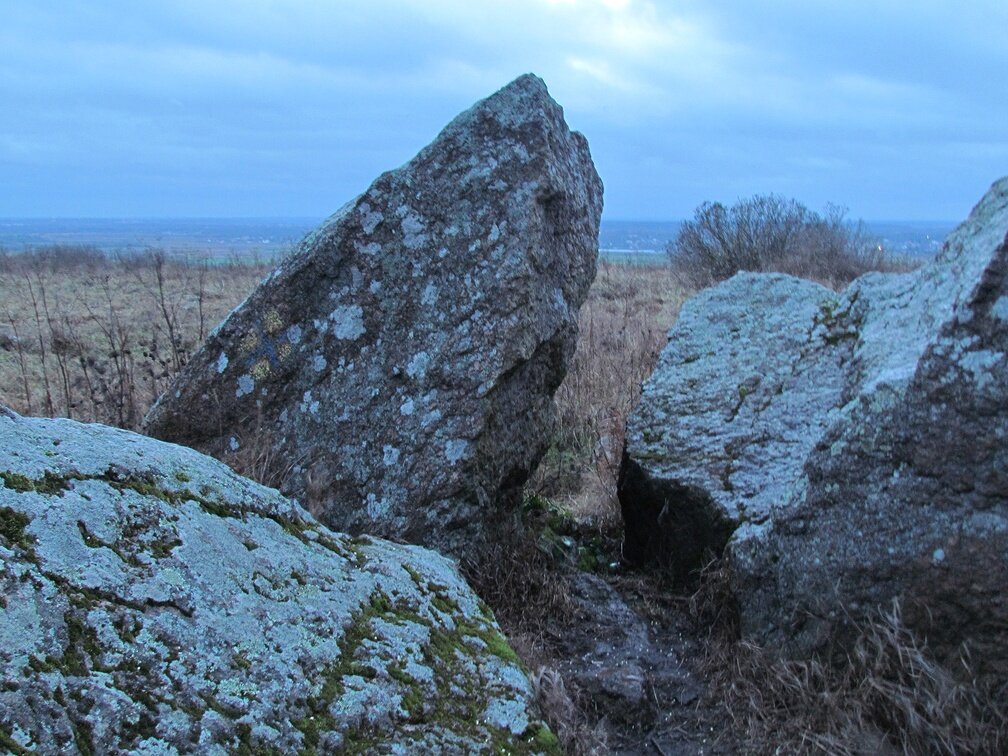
[[521, 583], [890, 697], [566, 717]]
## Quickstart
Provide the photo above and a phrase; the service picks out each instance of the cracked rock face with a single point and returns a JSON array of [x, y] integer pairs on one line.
[[153, 601], [396, 373], [844, 450]]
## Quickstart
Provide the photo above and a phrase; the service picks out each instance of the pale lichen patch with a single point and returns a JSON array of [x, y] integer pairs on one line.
[[980, 364], [414, 236], [348, 322], [429, 295], [390, 455], [371, 248], [376, 507], [416, 368], [999, 309], [369, 218], [246, 385], [455, 449]]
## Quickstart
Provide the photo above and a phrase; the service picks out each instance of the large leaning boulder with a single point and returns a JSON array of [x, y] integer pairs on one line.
[[846, 450], [153, 601], [397, 371]]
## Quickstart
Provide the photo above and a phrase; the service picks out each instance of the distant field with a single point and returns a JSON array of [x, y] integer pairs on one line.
[[225, 238], [98, 339]]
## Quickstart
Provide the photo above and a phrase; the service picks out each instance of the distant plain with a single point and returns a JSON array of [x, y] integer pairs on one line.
[[268, 238]]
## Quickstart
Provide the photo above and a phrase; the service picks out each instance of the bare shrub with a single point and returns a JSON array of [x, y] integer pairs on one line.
[[769, 233], [99, 337]]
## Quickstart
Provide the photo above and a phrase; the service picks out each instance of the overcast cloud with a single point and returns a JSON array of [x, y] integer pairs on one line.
[[898, 110]]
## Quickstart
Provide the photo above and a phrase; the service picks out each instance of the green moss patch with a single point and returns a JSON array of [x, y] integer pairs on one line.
[[12, 527], [495, 642], [445, 653], [17, 482], [50, 484]]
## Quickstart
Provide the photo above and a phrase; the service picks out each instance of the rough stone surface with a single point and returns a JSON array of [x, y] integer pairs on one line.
[[738, 398], [397, 371], [155, 602], [895, 413]]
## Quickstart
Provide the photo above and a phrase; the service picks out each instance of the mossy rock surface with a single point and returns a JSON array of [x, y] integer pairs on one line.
[[154, 601]]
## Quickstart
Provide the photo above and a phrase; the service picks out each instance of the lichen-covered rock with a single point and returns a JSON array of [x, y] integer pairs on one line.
[[397, 371], [876, 467], [739, 396], [155, 602]]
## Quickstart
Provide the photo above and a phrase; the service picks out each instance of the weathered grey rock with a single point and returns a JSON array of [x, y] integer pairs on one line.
[[739, 396], [398, 369], [895, 415], [155, 602]]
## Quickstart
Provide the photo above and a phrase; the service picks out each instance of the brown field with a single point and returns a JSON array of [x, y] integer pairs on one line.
[[99, 339]]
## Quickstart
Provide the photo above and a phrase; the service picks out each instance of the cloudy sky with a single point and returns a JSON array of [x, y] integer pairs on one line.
[[895, 109]]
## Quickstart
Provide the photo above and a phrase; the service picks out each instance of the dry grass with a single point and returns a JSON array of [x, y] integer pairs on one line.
[[99, 339], [565, 714], [890, 697], [520, 581], [623, 328], [888, 694]]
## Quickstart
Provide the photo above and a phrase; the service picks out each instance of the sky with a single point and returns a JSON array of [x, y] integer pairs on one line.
[[285, 108]]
